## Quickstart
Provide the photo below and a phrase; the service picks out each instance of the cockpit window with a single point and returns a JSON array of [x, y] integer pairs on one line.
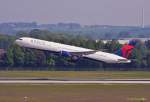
[[20, 39]]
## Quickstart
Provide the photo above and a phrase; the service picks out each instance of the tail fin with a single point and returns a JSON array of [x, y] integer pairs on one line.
[[126, 50]]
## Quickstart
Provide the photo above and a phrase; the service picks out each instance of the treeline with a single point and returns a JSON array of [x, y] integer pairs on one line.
[[93, 31], [30, 59]]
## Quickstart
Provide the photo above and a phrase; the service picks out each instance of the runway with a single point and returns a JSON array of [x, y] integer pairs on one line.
[[106, 81]]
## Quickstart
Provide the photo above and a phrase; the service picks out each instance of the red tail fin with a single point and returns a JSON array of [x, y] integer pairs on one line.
[[127, 50]]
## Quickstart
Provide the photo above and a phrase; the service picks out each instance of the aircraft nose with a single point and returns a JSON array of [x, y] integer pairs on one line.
[[16, 42]]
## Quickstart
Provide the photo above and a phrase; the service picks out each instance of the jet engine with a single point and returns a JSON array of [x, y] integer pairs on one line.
[[68, 54]]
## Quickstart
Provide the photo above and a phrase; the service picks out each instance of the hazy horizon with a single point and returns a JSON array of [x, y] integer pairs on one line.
[[84, 12]]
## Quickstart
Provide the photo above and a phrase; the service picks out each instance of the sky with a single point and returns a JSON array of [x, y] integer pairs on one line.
[[85, 12]]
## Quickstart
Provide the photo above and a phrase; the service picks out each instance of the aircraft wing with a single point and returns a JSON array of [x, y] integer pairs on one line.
[[95, 55]]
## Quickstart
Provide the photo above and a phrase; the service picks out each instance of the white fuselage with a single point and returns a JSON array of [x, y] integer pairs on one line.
[[58, 47]]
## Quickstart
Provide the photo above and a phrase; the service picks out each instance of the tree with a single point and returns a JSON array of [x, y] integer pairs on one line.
[[18, 55], [112, 46], [148, 59], [10, 56], [30, 57], [147, 43], [139, 55], [40, 58], [99, 45]]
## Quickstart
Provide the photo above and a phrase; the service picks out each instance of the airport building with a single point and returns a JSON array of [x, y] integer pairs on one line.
[[126, 40]]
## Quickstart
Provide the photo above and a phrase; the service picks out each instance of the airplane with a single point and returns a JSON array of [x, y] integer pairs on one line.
[[73, 52]]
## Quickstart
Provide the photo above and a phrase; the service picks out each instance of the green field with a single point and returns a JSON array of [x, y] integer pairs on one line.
[[77, 74], [74, 93]]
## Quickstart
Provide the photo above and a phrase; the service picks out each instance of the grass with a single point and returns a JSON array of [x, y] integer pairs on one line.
[[74, 93], [77, 74]]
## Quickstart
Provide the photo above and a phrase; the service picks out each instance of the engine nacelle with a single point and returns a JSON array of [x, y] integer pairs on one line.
[[75, 58], [68, 54], [65, 54]]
